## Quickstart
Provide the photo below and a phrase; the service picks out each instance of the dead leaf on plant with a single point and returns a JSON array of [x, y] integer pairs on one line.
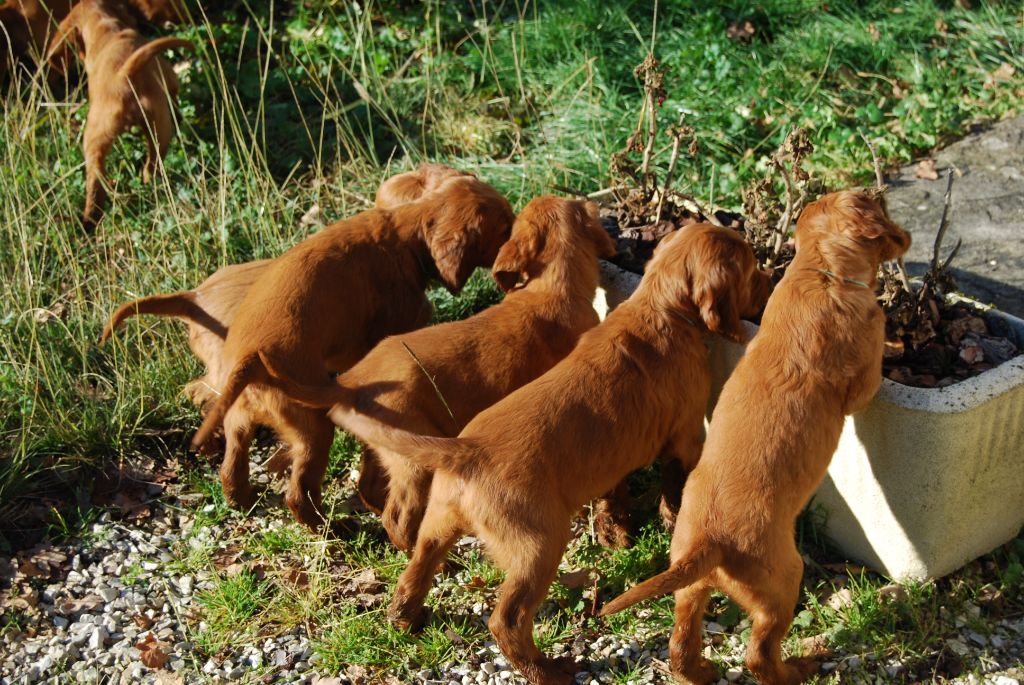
[[926, 170], [152, 652], [576, 579], [893, 349]]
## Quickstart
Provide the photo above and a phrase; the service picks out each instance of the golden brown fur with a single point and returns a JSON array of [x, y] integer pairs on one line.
[[520, 470], [412, 185], [817, 357], [325, 303], [549, 269], [130, 84]]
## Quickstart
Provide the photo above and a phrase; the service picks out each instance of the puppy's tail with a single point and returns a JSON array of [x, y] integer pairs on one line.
[[320, 396], [426, 451], [143, 54], [181, 304], [685, 572], [248, 370]]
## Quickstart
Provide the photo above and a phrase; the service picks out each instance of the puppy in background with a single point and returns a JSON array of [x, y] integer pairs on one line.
[[549, 270], [816, 358], [634, 388], [130, 84]]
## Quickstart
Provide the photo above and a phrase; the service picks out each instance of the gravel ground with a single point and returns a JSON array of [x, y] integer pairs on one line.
[[113, 605]]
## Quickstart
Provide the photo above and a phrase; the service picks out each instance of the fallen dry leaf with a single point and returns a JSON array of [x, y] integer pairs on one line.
[[476, 583], [297, 577], [893, 591], [816, 646], [576, 579], [926, 170], [165, 678], [840, 600], [74, 606], [875, 34], [152, 652], [366, 582], [1001, 74]]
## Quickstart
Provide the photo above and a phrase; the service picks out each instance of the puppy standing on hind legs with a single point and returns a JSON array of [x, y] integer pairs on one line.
[[816, 358], [129, 84], [521, 469]]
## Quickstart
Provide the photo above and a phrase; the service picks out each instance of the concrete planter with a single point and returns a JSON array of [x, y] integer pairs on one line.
[[924, 479]]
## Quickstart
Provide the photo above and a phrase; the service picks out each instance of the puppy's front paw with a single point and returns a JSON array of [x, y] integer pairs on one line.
[[404, 617], [243, 498], [801, 668], [556, 671]]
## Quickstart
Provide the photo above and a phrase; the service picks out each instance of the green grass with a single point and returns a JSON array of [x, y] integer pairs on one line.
[[231, 610]]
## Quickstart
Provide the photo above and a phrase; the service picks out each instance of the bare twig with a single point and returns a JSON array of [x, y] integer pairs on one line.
[[880, 184], [652, 133], [787, 215], [943, 222], [677, 133], [567, 190], [431, 379]]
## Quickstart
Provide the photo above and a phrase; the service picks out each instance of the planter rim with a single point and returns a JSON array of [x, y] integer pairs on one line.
[[958, 397]]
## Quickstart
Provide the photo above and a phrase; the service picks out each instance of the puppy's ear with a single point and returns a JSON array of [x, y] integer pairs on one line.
[[449, 244], [468, 229], [717, 289], [866, 219], [605, 245], [515, 257]]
